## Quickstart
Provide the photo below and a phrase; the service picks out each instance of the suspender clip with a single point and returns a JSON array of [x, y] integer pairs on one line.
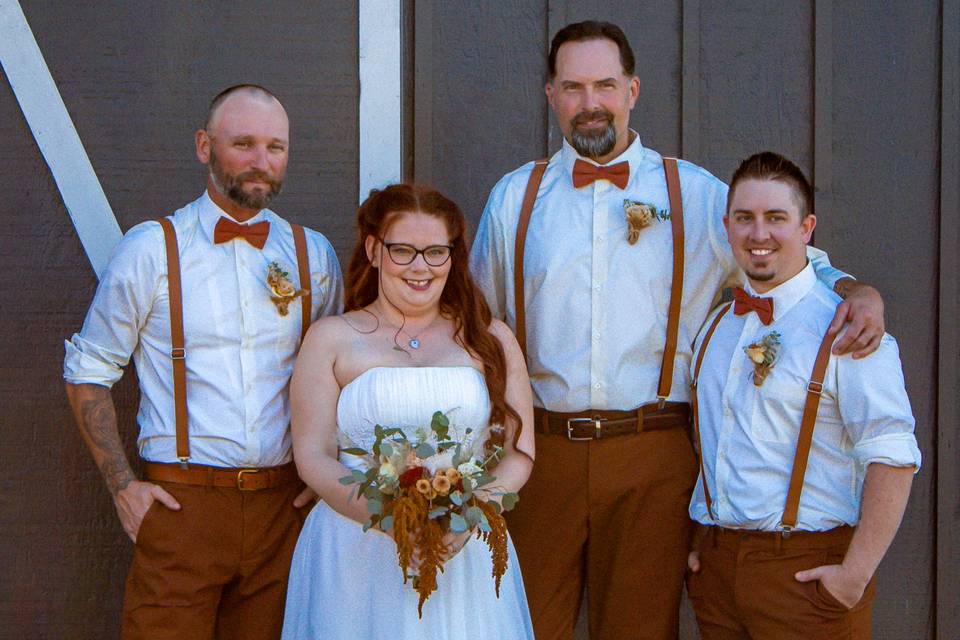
[[815, 387], [785, 531], [661, 402], [183, 462], [178, 354]]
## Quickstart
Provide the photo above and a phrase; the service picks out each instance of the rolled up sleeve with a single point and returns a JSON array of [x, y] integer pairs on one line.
[[875, 408], [100, 350]]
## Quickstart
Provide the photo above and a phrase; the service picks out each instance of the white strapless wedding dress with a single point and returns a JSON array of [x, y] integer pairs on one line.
[[346, 584]]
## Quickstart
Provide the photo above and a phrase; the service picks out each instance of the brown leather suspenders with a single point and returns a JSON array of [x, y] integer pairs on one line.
[[529, 198], [676, 287], [178, 353], [303, 267], [804, 439], [693, 405]]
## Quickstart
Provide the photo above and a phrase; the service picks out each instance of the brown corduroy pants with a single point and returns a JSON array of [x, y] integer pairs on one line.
[[611, 512], [746, 590], [215, 569]]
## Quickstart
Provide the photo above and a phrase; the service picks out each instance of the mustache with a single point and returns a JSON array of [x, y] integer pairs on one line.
[[586, 116], [254, 174]]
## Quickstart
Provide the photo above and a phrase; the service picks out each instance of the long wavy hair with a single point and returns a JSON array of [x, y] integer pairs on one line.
[[461, 299]]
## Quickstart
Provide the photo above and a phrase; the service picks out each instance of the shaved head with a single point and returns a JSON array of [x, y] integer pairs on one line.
[[249, 90]]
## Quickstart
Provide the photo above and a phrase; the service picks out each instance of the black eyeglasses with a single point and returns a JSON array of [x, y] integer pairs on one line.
[[435, 255]]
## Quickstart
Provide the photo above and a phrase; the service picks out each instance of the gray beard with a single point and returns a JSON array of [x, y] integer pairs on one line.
[[594, 145]]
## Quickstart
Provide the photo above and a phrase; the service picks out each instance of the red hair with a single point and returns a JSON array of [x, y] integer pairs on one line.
[[461, 300]]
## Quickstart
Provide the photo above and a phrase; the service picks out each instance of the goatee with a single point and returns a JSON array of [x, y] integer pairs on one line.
[[594, 143]]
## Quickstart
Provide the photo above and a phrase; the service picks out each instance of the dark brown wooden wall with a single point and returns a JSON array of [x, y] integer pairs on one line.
[[136, 78], [863, 95]]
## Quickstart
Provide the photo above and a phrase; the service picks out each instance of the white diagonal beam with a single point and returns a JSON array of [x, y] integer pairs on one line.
[[380, 95], [56, 136]]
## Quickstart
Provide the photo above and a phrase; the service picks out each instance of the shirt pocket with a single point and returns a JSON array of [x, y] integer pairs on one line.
[[777, 407]]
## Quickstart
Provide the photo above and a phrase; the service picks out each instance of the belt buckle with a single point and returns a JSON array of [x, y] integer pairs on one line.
[[595, 421], [240, 475]]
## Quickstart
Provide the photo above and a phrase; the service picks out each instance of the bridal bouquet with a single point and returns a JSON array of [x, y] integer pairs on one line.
[[427, 487]]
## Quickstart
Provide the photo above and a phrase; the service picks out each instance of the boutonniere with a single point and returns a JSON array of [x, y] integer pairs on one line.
[[639, 216], [763, 355], [281, 287]]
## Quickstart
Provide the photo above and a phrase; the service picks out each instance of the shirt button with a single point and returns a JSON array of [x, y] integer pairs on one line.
[[727, 412], [597, 385], [597, 287], [596, 337], [599, 238]]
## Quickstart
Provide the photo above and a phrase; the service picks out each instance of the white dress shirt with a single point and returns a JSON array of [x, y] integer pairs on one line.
[[240, 350], [749, 433], [596, 305]]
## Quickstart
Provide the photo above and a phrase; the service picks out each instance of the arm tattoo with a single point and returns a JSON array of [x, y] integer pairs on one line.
[[97, 419]]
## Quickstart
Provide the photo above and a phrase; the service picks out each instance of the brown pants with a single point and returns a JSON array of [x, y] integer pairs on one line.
[[611, 512], [216, 568], [746, 587]]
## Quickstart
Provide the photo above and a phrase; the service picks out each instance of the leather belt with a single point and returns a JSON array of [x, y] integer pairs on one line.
[[253, 479], [778, 540], [595, 424]]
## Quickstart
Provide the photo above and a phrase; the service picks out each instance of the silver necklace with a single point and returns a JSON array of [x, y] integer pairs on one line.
[[413, 340]]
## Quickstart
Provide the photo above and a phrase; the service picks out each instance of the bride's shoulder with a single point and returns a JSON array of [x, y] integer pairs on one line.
[[503, 333], [334, 330]]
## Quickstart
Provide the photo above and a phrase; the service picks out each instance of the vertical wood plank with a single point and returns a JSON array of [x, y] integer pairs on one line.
[[423, 92], [823, 106], [948, 347], [557, 18], [690, 65]]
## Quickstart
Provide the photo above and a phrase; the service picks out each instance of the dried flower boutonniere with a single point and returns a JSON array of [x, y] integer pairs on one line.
[[639, 216], [281, 287], [763, 355]]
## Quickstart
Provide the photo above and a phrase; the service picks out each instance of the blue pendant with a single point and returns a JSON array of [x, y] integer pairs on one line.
[[414, 343]]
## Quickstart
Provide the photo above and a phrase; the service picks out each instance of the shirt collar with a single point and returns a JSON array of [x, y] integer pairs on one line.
[[789, 293], [210, 213], [633, 154]]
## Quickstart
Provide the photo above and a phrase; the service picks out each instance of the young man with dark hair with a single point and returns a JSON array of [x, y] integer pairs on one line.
[[211, 303], [605, 260], [807, 458]]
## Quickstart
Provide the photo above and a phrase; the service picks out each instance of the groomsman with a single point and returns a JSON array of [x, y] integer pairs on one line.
[[807, 457], [605, 260], [211, 303]]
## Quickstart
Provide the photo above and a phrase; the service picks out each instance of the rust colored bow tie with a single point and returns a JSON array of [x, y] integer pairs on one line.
[[585, 173], [256, 234], [743, 303]]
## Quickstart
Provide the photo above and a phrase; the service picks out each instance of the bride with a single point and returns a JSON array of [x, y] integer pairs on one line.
[[417, 338]]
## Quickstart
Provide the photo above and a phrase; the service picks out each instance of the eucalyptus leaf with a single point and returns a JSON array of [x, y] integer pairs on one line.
[[425, 450], [484, 526], [509, 501], [484, 479], [374, 506], [355, 451], [457, 523], [358, 476], [386, 449], [474, 515], [456, 498], [436, 513], [347, 479], [386, 524]]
